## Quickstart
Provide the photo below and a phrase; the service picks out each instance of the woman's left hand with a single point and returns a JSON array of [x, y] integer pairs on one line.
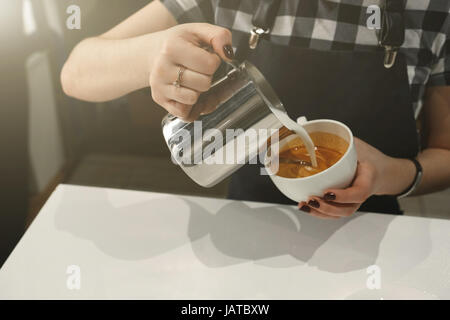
[[373, 176]]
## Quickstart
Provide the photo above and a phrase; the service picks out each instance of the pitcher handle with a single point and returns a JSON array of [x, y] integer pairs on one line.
[[234, 64], [235, 68]]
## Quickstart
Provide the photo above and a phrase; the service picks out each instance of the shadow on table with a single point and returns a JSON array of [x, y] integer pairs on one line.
[[232, 234], [240, 234], [136, 231]]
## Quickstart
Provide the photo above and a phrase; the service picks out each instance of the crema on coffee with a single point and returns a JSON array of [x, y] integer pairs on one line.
[[329, 149]]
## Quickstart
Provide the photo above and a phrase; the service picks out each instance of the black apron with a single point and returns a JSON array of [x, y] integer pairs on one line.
[[352, 87]]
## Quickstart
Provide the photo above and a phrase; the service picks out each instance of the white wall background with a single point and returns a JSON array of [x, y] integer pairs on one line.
[[45, 145]]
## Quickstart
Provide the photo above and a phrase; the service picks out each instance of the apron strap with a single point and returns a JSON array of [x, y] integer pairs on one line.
[[266, 13], [392, 33], [263, 21]]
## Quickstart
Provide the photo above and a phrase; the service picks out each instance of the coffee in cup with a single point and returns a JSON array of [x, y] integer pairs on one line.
[[329, 149], [336, 155]]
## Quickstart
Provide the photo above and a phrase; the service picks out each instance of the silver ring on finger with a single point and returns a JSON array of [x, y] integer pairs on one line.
[[177, 83]]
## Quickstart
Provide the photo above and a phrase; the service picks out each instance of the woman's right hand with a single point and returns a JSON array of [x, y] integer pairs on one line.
[[183, 47]]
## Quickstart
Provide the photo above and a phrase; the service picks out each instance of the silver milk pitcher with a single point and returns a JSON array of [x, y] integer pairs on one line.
[[244, 104]]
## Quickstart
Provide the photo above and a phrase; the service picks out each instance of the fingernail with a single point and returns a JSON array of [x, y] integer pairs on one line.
[[329, 196], [228, 50], [305, 208], [314, 203]]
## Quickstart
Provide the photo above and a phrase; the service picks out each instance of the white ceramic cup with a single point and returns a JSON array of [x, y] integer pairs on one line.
[[339, 175]]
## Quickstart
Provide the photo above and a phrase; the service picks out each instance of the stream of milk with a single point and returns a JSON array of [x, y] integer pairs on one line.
[[299, 130]]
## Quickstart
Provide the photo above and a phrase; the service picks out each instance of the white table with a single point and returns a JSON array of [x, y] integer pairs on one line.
[[134, 245]]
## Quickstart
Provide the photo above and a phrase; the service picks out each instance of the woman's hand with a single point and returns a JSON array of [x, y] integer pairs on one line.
[[182, 47], [376, 174]]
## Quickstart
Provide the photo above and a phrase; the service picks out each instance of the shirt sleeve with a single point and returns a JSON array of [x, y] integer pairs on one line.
[[185, 11], [440, 70]]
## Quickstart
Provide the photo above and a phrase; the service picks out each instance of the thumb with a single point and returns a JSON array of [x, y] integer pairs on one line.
[[218, 38]]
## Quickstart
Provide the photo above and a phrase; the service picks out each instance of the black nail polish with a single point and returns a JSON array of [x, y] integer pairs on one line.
[[314, 203], [329, 196], [305, 208], [228, 50]]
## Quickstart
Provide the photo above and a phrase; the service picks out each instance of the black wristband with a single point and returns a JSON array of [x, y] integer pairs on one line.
[[416, 181]]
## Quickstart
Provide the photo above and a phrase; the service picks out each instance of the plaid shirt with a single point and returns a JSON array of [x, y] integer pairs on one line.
[[340, 25]]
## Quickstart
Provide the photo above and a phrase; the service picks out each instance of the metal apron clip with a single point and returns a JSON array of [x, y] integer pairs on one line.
[[255, 34], [263, 20], [390, 54]]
